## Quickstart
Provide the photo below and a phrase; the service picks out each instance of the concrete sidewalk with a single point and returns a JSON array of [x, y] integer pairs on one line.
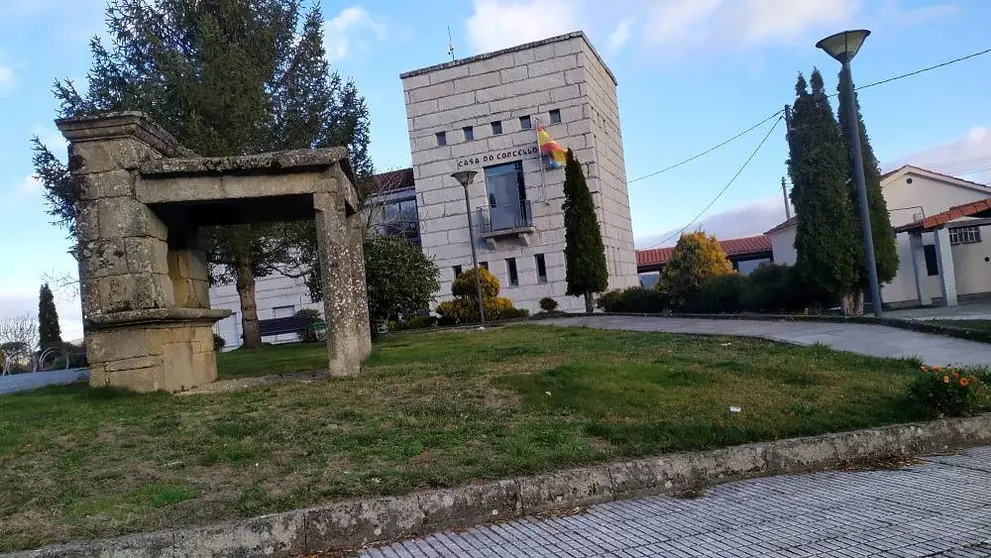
[[866, 339], [940, 507], [33, 380]]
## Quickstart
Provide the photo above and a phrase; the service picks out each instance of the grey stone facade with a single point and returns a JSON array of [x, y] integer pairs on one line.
[[562, 74], [143, 199]]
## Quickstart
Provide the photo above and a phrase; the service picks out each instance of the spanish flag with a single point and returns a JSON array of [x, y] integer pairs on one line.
[[549, 148]]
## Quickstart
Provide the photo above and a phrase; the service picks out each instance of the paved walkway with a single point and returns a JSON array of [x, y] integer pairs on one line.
[[939, 508], [976, 310], [33, 380], [867, 339]]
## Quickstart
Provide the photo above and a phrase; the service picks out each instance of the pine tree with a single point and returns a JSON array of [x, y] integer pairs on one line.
[[695, 258], [49, 332], [584, 252], [225, 78], [826, 237], [885, 247]]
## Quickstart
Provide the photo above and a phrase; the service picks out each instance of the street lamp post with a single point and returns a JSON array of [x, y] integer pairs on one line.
[[843, 47], [464, 178]]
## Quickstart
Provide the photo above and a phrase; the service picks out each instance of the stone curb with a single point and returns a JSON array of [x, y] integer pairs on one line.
[[911, 325], [354, 523]]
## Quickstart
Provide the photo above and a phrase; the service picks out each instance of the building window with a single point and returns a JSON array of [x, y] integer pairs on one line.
[[469, 133], [965, 235], [484, 265], [441, 138], [525, 123], [932, 267], [496, 128], [514, 278], [506, 192], [555, 116], [457, 271], [400, 219], [541, 268]]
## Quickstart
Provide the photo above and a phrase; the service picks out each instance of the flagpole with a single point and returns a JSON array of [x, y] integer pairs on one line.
[[540, 161]]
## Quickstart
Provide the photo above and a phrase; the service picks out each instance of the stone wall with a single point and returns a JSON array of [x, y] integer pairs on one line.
[[564, 74]]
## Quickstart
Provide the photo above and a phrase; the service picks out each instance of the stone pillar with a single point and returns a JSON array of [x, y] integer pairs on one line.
[[362, 321], [336, 275], [188, 271], [947, 277], [135, 338], [919, 266]]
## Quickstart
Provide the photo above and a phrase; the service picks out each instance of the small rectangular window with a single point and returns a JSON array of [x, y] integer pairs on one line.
[[484, 264], [932, 268], [555, 116], [541, 268], [469, 133], [525, 123], [441, 138], [496, 128], [457, 271], [514, 279], [965, 235]]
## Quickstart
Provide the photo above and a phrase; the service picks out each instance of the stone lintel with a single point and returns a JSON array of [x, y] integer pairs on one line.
[[121, 125], [276, 162], [157, 316]]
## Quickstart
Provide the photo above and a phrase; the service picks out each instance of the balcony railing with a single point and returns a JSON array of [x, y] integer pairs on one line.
[[508, 217]]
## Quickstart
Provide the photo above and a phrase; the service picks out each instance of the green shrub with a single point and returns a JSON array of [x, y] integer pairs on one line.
[[308, 317], [636, 300], [416, 322], [219, 343], [720, 294], [464, 284], [514, 313], [464, 308], [946, 392], [774, 288], [548, 304]]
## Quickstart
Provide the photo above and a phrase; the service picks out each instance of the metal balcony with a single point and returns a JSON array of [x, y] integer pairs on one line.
[[506, 220]]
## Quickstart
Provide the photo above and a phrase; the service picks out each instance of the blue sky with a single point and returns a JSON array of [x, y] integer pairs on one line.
[[691, 74]]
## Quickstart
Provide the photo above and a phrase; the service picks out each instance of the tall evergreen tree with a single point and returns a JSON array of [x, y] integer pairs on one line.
[[584, 252], [229, 77], [826, 237], [885, 247], [49, 332]]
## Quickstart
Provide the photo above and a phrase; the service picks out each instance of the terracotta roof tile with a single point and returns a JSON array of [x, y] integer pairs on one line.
[[732, 247], [980, 208]]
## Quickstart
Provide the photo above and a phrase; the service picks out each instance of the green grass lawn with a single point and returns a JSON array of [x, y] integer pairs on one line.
[[428, 410], [975, 325]]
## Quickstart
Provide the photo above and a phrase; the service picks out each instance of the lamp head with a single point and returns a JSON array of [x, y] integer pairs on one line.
[[465, 177], [844, 45]]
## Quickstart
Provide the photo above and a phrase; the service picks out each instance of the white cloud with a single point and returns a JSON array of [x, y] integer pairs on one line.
[[6, 78], [497, 24], [722, 24], [29, 185], [620, 35], [746, 220], [349, 31], [968, 156]]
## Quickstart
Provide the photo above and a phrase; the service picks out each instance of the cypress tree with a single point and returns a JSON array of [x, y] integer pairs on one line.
[[885, 247], [49, 332], [584, 252], [225, 78], [826, 237]]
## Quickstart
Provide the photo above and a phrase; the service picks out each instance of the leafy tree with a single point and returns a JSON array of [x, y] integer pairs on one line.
[[464, 307], [826, 236], [228, 77], [885, 247], [49, 332], [401, 279], [695, 258], [584, 252]]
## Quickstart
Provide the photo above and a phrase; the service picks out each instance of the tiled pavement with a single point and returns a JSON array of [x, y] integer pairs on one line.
[[867, 339], [939, 508]]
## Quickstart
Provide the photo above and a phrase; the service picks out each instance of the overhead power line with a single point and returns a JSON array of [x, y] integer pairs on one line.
[[757, 125], [728, 184]]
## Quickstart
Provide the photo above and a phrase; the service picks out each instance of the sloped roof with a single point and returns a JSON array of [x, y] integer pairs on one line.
[[732, 247], [980, 208], [783, 226], [392, 180]]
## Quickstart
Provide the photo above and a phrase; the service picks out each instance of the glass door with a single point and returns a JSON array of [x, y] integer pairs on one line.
[[506, 195]]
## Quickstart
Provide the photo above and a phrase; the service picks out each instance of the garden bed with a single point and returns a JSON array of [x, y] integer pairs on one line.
[[429, 410]]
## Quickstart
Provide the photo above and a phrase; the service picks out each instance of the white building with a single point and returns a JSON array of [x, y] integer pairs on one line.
[[481, 113], [961, 269]]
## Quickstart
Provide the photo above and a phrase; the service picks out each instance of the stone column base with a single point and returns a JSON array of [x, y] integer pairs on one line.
[[144, 356]]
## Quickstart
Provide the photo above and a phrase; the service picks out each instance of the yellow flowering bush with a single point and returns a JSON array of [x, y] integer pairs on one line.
[[949, 392]]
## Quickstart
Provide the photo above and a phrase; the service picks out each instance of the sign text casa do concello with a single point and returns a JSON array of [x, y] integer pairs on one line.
[[500, 156]]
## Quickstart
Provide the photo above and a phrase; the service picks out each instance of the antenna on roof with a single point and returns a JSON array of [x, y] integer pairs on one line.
[[450, 44]]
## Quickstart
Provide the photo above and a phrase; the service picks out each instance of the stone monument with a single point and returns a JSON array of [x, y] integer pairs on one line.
[[143, 199]]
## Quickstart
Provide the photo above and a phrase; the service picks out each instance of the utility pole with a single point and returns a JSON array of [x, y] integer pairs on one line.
[[788, 117], [784, 192]]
